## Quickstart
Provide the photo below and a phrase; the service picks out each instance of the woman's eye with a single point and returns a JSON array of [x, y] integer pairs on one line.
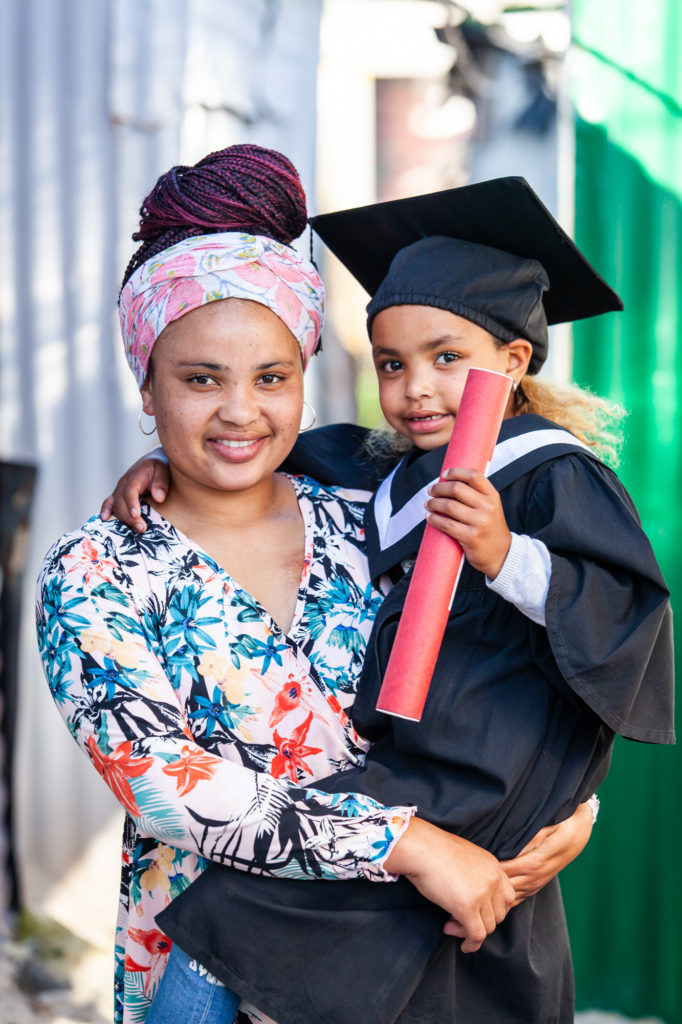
[[201, 378], [269, 378], [448, 357]]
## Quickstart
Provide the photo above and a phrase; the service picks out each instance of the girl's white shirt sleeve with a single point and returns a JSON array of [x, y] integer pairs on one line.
[[524, 577]]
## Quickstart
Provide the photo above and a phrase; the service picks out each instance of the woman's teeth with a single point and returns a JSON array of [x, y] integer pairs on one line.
[[237, 444]]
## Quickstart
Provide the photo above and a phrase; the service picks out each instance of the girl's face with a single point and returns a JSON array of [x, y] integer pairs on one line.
[[422, 356], [226, 389]]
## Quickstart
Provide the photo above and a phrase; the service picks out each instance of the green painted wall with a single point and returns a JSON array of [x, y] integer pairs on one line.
[[624, 895]]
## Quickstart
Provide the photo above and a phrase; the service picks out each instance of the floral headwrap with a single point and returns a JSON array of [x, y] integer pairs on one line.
[[227, 265]]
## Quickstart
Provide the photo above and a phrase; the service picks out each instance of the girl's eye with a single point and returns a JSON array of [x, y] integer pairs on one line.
[[391, 366], [269, 378], [448, 357], [201, 378]]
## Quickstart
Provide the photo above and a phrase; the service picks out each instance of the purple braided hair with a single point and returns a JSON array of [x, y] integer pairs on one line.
[[240, 188]]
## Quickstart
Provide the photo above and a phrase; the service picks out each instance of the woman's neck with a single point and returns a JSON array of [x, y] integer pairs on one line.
[[190, 503], [257, 536]]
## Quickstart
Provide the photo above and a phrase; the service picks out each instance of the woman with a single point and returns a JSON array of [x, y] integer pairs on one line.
[[207, 667]]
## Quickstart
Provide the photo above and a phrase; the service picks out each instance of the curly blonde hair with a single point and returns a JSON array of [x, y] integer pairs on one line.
[[596, 421]]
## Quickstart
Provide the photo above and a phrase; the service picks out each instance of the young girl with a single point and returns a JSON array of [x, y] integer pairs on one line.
[[207, 667], [559, 634]]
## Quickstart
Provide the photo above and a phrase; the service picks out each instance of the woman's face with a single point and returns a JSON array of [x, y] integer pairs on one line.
[[422, 356], [226, 389]]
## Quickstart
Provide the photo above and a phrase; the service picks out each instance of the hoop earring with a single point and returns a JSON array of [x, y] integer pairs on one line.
[[313, 414], [147, 433]]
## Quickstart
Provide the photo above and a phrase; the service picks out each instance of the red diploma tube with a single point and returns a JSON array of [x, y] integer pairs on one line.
[[439, 562]]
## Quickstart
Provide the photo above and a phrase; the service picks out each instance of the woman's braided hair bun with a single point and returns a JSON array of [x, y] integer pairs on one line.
[[241, 188]]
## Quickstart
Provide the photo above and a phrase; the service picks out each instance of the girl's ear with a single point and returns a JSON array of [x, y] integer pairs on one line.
[[519, 353]]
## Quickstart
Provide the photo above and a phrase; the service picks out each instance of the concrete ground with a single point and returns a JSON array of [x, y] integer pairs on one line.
[[68, 939], [78, 1004]]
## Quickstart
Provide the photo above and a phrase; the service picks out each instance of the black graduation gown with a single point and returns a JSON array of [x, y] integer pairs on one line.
[[517, 730]]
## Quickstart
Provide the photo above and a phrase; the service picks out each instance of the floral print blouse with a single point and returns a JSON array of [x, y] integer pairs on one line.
[[209, 724]]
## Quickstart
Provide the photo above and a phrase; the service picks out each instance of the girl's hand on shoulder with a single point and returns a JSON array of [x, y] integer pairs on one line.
[[149, 475], [466, 506], [548, 853]]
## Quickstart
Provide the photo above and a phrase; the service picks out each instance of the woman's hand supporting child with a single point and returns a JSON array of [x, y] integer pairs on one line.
[[464, 879]]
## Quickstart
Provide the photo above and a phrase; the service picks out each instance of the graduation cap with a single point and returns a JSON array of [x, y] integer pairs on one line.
[[491, 252]]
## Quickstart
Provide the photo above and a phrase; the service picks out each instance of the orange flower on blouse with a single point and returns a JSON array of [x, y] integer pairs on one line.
[[117, 768], [190, 768], [89, 562], [292, 751]]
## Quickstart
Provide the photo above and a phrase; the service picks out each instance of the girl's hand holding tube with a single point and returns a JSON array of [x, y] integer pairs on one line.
[[466, 506]]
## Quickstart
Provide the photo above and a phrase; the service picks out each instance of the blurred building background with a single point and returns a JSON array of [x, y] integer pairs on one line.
[[370, 99]]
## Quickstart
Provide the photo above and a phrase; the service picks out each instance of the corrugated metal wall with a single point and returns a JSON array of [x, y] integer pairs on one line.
[[97, 99]]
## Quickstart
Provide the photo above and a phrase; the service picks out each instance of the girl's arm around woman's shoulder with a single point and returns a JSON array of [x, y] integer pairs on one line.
[[149, 475]]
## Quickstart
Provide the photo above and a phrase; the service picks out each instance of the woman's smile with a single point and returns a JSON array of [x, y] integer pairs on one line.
[[237, 449]]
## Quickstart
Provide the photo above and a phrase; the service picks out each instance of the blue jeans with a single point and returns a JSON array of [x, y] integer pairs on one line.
[[188, 994]]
